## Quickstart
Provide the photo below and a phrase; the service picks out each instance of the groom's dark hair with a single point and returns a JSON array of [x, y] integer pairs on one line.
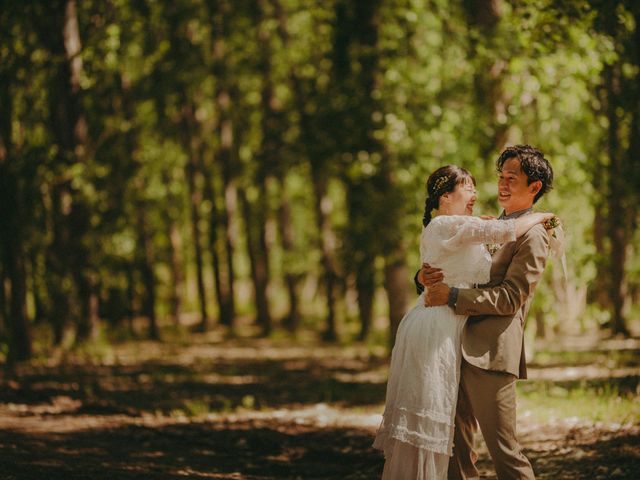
[[532, 163]]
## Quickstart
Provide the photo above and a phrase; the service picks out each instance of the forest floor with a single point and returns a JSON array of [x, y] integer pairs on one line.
[[208, 406]]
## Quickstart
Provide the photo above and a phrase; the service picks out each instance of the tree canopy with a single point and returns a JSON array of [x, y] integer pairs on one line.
[[268, 158]]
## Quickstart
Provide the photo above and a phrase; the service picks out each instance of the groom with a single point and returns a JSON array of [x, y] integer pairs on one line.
[[493, 355]]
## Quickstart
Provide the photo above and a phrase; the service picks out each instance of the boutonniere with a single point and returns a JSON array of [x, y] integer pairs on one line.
[[493, 248], [552, 224], [556, 240]]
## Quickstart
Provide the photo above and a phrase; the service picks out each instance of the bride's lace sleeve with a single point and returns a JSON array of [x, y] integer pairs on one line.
[[464, 230]]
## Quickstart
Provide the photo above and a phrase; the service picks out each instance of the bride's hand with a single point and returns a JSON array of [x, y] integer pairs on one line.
[[487, 217], [542, 217], [525, 222]]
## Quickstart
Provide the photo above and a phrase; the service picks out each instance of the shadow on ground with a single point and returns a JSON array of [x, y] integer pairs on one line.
[[261, 450], [218, 385], [249, 450]]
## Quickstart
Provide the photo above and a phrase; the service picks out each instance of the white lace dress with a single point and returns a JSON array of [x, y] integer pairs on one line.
[[416, 433]]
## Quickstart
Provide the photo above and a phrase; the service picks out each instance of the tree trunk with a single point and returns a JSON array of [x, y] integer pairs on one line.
[[483, 17], [195, 200], [617, 218], [145, 254], [365, 286], [175, 257], [36, 289], [68, 280], [89, 318], [396, 272], [291, 321], [225, 276], [313, 140], [323, 207], [259, 273], [269, 150], [396, 282], [79, 217], [131, 296], [390, 243], [601, 281], [214, 225], [147, 261], [83, 275], [227, 291], [11, 245], [354, 64], [4, 314], [19, 337], [13, 261], [620, 100], [292, 279], [541, 327], [222, 246], [262, 262], [59, 284]]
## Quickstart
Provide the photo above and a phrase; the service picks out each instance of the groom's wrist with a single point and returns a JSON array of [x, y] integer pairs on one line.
[[453, 297]]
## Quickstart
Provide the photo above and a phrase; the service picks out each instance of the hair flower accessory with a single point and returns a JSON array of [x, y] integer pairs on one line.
[[440, 184]]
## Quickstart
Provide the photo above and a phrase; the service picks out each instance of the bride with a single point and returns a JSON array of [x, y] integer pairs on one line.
[[416, 433]]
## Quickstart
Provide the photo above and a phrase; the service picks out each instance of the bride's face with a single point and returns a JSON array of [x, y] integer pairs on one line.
[[461, 200]]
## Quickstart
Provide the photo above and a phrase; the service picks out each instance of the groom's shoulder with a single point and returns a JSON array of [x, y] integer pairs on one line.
[[536, 235]]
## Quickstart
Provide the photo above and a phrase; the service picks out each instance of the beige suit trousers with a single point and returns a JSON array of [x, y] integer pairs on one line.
[[490, 398]]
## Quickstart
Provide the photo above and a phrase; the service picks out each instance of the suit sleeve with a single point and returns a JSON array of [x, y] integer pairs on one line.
[[521, 278]]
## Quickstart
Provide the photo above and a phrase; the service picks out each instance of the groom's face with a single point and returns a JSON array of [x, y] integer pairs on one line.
[[514, 192]]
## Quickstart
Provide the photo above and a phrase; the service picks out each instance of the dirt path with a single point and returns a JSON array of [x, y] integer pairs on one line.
[[243, 410]]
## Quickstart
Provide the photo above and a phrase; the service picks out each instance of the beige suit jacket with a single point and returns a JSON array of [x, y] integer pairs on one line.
[[493, 336]]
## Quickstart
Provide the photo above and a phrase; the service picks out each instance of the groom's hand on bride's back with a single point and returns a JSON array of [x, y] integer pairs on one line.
[[429, 275], [426, 277], [437, 294]]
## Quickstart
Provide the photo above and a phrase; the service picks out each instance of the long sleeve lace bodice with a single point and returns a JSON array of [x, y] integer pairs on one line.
[[456, 244]]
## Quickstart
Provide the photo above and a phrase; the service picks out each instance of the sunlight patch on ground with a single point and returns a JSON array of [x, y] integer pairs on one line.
[[320, 415], [586, 372], [54, 419]]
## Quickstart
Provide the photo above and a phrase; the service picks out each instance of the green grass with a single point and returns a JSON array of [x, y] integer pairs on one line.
[[608, 358], [608, 401]]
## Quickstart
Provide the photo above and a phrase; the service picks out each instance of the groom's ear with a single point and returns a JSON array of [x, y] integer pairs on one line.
[[534, 187]]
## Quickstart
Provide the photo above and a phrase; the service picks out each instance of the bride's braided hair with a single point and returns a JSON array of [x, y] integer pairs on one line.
[[443, 180]]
